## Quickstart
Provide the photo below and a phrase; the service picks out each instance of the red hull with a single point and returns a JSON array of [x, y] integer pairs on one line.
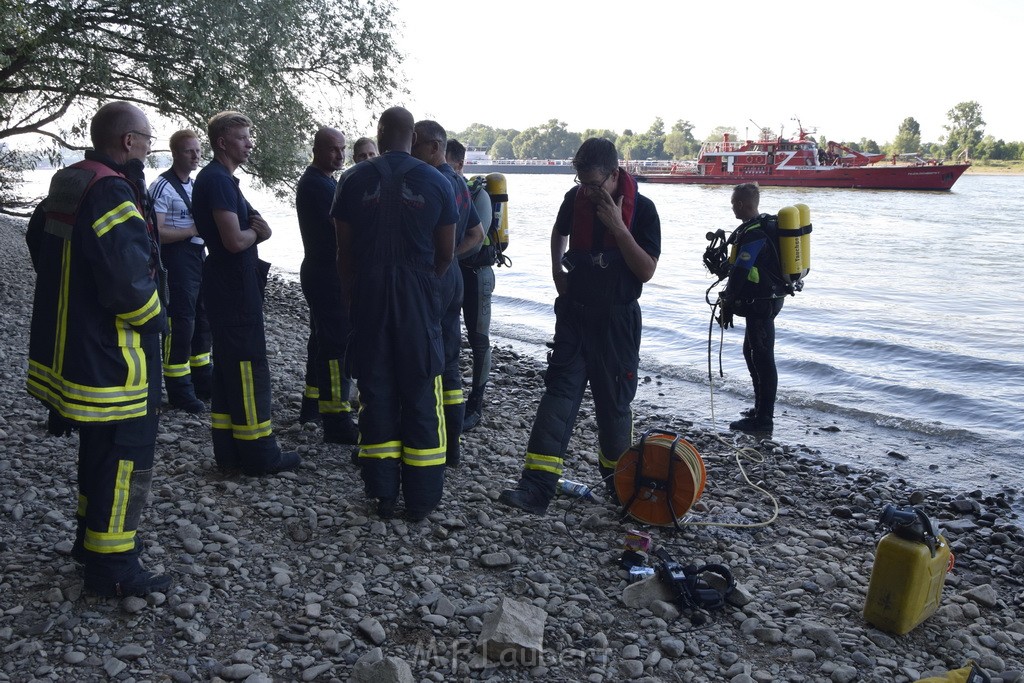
[[862, 177]]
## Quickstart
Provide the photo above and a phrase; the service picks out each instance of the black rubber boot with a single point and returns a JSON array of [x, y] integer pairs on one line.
[[181, 395], [474, 408], [533, 493], [310, 411], [753, 425], [286, 461], [202, 381], [453, 424], [138, 582], [340, 428]]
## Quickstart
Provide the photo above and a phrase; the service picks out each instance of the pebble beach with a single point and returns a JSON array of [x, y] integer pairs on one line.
[[292, 578]]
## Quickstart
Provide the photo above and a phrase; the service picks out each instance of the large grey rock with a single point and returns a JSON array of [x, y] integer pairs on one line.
[[387, 670], [513, 633], [643, 593], [984, 595]]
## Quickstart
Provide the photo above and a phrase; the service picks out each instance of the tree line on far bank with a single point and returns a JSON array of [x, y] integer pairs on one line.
[[553, 140]]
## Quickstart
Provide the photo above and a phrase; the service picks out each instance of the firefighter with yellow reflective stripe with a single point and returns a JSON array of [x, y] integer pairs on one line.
[[94, 353], [328, 390], [395, 223], [614, 239], [431, 142], [233, 281]]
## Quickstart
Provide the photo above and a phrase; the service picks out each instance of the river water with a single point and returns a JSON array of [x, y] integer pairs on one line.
[[904, 352]]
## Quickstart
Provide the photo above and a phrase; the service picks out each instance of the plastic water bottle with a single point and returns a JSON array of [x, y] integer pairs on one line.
[[575, 489]]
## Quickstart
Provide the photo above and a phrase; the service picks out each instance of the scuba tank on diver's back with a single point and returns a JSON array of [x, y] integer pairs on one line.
[[790, 237], [911, 563], [490, 197]]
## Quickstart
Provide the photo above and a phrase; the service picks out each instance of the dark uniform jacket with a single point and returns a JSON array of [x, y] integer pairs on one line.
[[96, 295]]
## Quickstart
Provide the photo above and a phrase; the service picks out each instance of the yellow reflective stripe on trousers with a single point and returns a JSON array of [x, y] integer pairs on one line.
[[177, 370], [252, 432], [442, 433], [605, 462], [248, 392], [167, 343], [311, 392], [115, 539], [388, 449], [83, 503], [111, 219], [143, 313], [544, 463], [99, 542], [199, 360], [335, 372], [335, 407], [172, 369], [220, 420], [426, 457], [453, 397]]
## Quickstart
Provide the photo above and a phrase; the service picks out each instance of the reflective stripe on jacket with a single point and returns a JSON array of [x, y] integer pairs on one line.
[[96, 295]]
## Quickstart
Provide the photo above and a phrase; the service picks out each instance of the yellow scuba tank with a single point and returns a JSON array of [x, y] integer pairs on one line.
[[910, 569], [805, 238], [482, 204], [790, 251], [497, 188]]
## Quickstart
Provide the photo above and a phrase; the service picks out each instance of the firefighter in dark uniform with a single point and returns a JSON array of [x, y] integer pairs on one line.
[[614, 239], [233, 281], [329, 326], [755, 290], [395, 222], [431, 143], [94, 354]]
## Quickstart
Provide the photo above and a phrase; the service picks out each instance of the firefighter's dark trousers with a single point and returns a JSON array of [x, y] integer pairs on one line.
[[186, 348], [240, 413], [115, 473], [451, 339], [396, 357], [595, 344], [329, 331]]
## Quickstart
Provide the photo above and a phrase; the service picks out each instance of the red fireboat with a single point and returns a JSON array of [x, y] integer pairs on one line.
[[800, 162]]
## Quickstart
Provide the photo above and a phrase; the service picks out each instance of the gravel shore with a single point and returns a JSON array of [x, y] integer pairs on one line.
[[290, 577]]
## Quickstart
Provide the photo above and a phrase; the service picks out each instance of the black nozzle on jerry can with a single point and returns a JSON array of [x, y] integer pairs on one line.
[[910, 568], [911, 523]]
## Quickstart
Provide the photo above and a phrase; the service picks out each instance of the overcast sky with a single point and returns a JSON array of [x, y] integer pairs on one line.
[[850, 70]]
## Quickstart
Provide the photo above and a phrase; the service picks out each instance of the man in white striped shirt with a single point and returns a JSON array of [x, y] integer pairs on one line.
[[186, 344]]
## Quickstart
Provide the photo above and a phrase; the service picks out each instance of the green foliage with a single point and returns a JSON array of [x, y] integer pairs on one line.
[[551, 140], [649, 145], [718, 131], [966, 128], [501, 149], [599, 133], [479, 135], [680, 143], [908, 138], [869, 146], [290, 65]]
